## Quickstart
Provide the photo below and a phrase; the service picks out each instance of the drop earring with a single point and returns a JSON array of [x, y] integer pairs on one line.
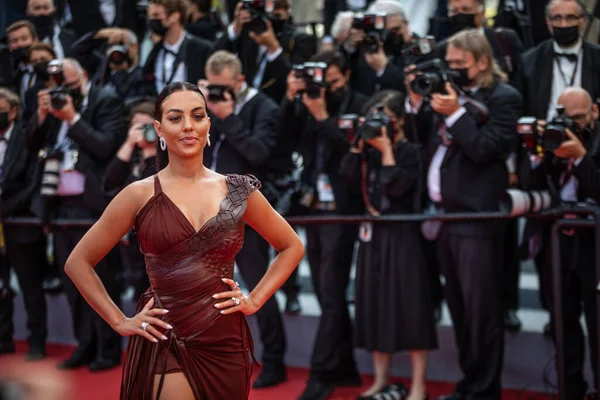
[[163, 143], [208, 139]]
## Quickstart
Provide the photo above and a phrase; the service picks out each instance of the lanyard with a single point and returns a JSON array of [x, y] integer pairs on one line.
[[562, 74]]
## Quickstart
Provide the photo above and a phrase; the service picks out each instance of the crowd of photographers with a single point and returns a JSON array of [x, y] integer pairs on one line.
[[370, 119]]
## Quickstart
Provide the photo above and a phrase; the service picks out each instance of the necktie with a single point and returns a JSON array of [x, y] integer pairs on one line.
[[569, 56]]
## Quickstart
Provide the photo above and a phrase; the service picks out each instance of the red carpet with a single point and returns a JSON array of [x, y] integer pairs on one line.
[[105, 385]]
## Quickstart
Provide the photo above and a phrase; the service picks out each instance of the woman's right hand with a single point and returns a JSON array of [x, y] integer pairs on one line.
[[148, 315], [135, 135]]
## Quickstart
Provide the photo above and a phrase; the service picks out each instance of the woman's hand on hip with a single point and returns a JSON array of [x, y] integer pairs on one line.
[[235, 300], [144, 323]]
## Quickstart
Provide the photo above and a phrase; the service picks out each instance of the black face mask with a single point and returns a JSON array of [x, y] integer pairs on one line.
[[41, 70], [461, 77], [460, 22], [334, 100], [157, 27], [77, 97], [393, 43], [565, 36], [44, 25], [277, 23], [4, 121], [20, 54]]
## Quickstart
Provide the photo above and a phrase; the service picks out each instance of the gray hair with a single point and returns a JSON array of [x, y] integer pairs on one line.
[[222, 59], [73, 63], [12, 98], [582, 10], [389, 7]]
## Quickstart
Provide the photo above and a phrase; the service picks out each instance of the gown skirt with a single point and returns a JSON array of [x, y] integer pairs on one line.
[[185, 268]]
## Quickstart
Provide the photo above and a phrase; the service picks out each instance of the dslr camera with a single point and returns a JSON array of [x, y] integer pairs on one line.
[[117, 54], [419, 51], [373, 25], [349, 123], [217, 93], [58, 95], [554, 132], [259, 10], [433, 77], [313, 74], [374, 121], [51, 159]]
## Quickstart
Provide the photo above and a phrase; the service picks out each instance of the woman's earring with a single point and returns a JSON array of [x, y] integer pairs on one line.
[[208, 139], [163, 143]]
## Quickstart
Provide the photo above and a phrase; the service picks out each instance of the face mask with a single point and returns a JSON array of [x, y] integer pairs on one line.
[[461, 77], [565, 37], [20, 54], [41, 70], [77, 97], [44, 25], [335, 99], [4, 121], [277, 23], [157, 27], [461, 22], [393, 43]]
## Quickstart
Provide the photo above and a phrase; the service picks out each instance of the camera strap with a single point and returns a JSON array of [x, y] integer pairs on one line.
[[178, 58], [562, 74]]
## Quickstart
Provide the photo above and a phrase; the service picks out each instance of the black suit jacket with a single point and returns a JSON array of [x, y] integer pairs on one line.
[[301, 127], [297, 48], [194, 54], [536, 76], [88, 18], [473, 173], [67, 39], [98, 135]]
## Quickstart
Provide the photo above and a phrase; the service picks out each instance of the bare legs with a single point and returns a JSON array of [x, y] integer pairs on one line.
[[175, 387], [382, 364]]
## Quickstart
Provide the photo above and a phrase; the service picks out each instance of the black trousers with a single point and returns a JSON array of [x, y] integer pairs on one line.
[[253, 261], [291, 287], [330, 250], [578, 295], [26, 254], [473, 267], [512, 266], [433, 267]]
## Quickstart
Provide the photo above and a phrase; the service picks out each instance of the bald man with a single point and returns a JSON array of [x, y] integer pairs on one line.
[[86, 131], [574, 170]]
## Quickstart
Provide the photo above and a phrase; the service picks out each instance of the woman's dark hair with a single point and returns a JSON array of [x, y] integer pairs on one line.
[[392, 99], [332, 58], [162, 157]]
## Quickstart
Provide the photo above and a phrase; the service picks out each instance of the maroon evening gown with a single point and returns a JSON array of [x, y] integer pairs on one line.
[[185, 268]]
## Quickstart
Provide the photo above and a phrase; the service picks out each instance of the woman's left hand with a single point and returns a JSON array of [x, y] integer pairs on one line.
[[381, 142], [243, 304]]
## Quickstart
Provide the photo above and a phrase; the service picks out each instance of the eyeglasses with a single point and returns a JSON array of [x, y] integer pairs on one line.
[[571, 18]]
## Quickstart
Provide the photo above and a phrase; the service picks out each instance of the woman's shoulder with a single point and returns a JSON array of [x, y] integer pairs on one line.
[[139, 192]]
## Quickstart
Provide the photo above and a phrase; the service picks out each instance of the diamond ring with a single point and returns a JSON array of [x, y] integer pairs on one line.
[[145, 325], [236, 301]]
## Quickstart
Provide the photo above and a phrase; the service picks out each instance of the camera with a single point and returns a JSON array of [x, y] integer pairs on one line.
[[555, 130], [58, 95], [149, 134], [313, 74], [118, 54], [433, 77], [374, 121], [259, 10], [217, 93], [419, 50], [51, 172], [527, 129], [373, 25], [517, 202], [348, 123]]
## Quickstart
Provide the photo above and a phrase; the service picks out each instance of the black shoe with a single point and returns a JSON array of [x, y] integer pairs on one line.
[[76, 361], [52, 285], [512, 323], [393, 391], [270, 376], [7, 348], [453, 396], [317, 390], [35, 353], [292, 305], [102, 364]]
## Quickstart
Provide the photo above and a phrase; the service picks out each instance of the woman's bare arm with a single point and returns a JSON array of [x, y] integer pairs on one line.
[[275, 230]]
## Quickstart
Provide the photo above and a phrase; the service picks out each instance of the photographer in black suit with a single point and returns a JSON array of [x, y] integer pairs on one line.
[[243, 139], [573, 169], [311, 122], [267, 46], [77, 131], [466, 172], [25, 245]]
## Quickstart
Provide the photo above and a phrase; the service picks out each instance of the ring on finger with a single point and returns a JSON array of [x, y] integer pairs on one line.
[[236, 301], [145, 325], [237, 285]]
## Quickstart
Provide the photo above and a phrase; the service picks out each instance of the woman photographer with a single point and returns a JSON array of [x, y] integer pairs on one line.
[[135, 160], [394, 311]]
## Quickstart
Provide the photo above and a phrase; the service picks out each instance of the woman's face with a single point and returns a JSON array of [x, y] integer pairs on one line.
[[184, 124]]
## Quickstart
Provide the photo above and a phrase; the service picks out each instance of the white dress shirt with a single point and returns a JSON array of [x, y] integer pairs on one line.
[[561, 81], [108, 9], [164, 65], [54, 41]]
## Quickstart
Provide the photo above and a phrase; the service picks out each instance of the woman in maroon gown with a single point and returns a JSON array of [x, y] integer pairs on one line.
[[189, 338]]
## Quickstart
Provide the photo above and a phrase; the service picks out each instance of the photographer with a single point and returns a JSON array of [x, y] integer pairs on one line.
[[135, 160], [25, 245], [374, 52], [21, 35], [268, 43], [466, 139], [243, 138], [388, 168], [309, 117], [572, 172], [40, 54], [76, 131]]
